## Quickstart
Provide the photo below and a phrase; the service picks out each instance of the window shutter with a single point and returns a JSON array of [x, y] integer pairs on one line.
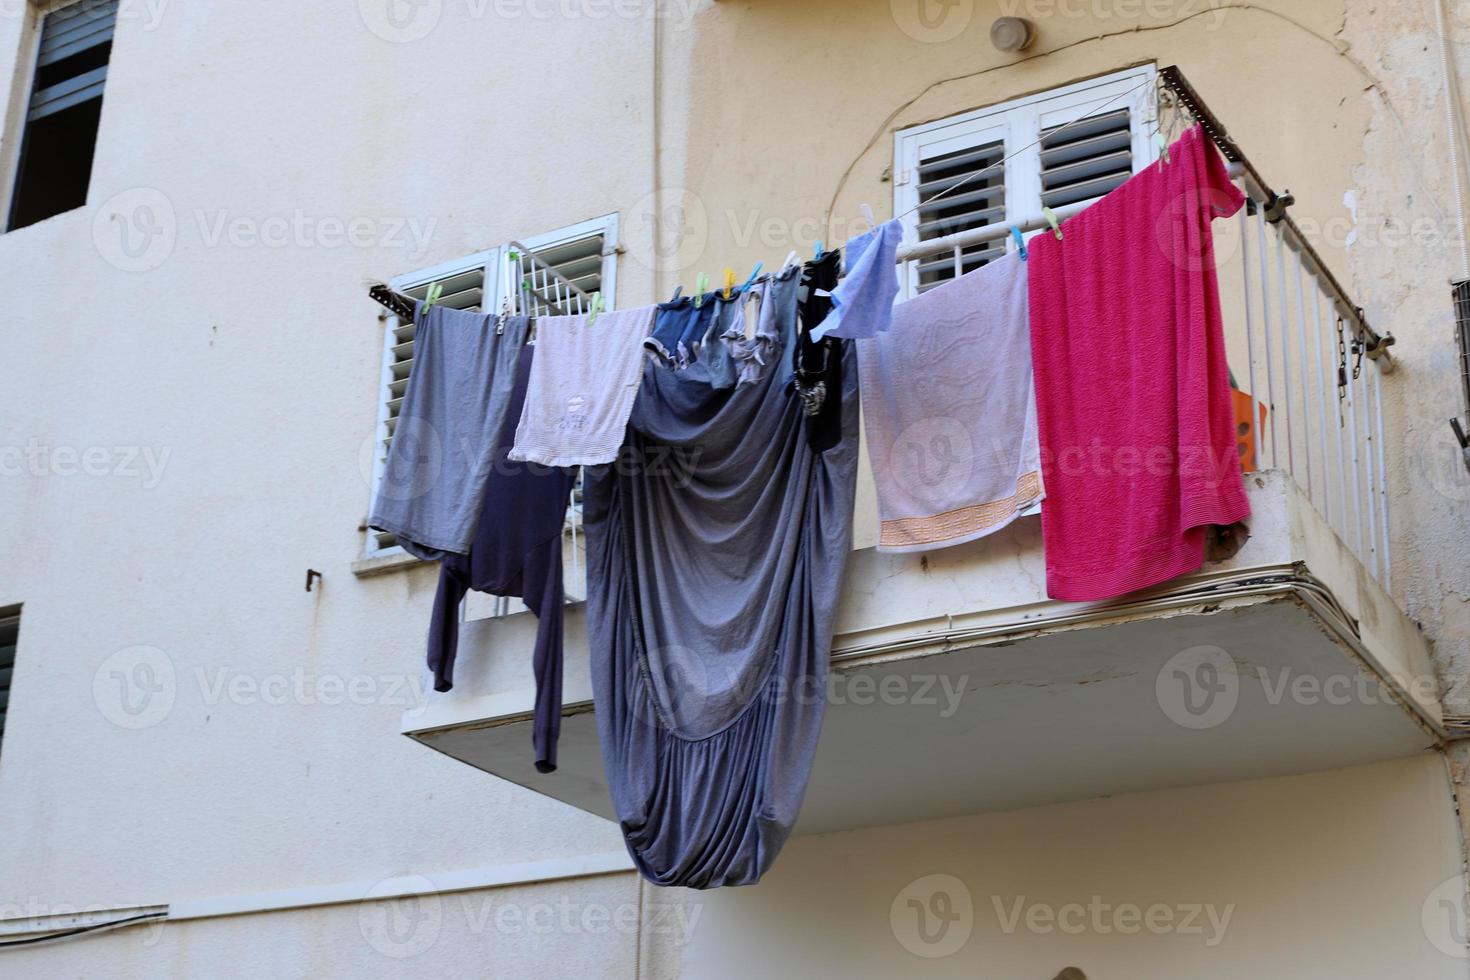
[[66, 71], [1087, 160], [975, 203]]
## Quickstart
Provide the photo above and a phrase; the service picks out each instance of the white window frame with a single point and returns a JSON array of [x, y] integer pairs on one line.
[[497, 283], [1018, 123]]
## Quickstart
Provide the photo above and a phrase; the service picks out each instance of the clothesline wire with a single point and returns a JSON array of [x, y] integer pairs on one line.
[[1002, 161]]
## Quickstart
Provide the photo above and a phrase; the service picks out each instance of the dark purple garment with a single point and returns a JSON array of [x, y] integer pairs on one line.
[[516, 552]]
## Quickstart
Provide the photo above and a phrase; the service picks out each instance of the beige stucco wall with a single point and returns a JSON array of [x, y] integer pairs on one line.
[[230, 387]]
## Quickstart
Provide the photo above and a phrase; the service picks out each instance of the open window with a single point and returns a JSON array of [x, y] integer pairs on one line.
[[62, 112]]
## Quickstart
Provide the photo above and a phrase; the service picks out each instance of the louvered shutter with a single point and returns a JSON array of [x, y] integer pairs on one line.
[[67, 72], [1087, 159], [978, 200], [1064, 146]]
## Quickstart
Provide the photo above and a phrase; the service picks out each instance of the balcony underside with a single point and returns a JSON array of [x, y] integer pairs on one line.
[[1020, 704]]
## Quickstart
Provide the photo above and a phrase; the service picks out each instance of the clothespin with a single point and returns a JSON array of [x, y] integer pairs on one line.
[[755, 272], [1051, 219], [867, 210], [701, 286], [595, 306], [792, 258], [1020, 242], [1163, 146], [729, 281], [818, 254], [431, 297]]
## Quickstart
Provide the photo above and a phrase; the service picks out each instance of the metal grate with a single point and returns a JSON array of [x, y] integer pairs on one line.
[[978, 203], [1087, 160]]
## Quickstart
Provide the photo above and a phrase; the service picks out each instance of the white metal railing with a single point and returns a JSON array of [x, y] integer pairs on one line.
[[1313, 363]]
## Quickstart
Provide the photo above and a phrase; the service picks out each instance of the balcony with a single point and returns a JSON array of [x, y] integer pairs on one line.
[[959, 687]]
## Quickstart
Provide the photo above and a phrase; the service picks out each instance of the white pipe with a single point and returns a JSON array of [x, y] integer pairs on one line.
[[1454, 129]]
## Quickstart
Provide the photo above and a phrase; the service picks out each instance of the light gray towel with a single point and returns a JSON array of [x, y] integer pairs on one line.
[[583, 382], [444, 442], [950, 411]]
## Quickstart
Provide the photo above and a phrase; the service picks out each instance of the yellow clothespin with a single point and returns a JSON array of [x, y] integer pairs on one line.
[[729, 281], [595, 306], [1051, 219]]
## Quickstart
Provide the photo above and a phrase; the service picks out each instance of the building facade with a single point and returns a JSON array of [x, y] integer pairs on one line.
[[219, 753]]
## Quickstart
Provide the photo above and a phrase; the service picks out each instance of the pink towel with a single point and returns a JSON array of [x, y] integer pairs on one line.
[[1132, 389]]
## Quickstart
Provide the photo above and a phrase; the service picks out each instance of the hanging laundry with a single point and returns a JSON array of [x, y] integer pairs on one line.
[[733, 358], [715, 558], [950, 411], [862, 303], [1132, 388], [517, 551], [583, 382], [678, 327], [817, 364], [444, 441]]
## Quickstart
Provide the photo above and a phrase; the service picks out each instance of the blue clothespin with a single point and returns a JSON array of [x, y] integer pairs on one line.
[[819, 250], [1020, 242], [755, 272], [1163, 146], [1051, 219], [595, 306]]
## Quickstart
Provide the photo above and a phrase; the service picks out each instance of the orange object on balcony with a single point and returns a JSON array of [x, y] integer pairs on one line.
[[1246, 428]]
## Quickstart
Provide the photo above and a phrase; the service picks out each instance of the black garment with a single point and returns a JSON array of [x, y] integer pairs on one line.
[[516, 552], [818, 364]]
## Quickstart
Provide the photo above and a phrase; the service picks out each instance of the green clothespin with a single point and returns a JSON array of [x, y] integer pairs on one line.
[[701, 286], [431, 297], [595, 306], [1163, 146], [1051, 219]]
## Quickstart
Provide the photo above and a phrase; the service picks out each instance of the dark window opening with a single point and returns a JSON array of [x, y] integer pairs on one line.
[[62, 114], [9, 635]]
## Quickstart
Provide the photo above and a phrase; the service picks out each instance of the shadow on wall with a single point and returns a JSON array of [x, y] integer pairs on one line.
[[1071, 973]]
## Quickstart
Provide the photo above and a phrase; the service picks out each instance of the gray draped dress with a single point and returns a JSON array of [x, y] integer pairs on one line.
[[716, 547]]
